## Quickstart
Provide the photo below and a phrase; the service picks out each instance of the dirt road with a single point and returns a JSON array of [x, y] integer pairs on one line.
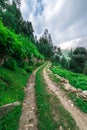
[[79, 117], [28, 120]]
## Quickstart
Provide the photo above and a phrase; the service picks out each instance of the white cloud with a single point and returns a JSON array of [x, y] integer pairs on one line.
[[73, 43], [65, 19]]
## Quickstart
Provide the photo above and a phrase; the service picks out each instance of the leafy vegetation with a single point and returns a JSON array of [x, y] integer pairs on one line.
[[45, 45], [78, 60], [51, 114], [11, 16], [12, 45], [75, 79], [11, 119], [80, 103], [12, 85]]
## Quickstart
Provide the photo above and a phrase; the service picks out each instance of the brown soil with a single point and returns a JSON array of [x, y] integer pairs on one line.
[[79, 117], [28, 119]]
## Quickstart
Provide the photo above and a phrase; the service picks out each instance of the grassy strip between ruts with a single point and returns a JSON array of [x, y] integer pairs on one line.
[[80, 103], [51, 114]]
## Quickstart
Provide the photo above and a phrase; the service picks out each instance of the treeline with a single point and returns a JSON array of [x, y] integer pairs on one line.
[[76, 60], [45, 44], [16, 48], [11, 17], [17, 42]]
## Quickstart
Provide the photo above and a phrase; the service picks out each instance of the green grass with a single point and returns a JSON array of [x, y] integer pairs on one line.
[[11, 119], [51, 114], [75, 79], [12, 85], [80, 103], [53, 77]]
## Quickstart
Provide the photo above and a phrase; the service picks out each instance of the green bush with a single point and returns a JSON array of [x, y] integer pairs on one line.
[[26, 67], [29, 69], [39, 63], [11, 119], [11, 64], [17, 46]]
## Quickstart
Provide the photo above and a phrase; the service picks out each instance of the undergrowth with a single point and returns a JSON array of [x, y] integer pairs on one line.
[[12, 85], [11, 119]]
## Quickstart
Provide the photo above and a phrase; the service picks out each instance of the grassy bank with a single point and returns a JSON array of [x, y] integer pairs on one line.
[[12, 85], [72, 77], [51, 114], [11, 119], [75, 79]]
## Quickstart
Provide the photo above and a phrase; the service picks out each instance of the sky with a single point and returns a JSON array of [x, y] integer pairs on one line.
[[66, 20]]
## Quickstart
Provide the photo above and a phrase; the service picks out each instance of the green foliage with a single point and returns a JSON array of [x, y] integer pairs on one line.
[[78, 59], [11, 119], [80, 50], [11, 64], [29, 69], [80, 103], [16, 46], [85, 69], [13, 19], [3, 4], [44, 47], [77, 63], [76, 80], [64, 62], [50, 107], [12, 84], [56, 59], [56, 56], [26, 66], [39, 63]]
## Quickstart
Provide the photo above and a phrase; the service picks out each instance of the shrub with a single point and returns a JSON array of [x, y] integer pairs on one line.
[[85, 69], [11, 64], [17, 46], [29, 69]]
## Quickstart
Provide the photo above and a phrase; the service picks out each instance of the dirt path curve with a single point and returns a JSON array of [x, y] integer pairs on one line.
[[28, 119], [79, 117]]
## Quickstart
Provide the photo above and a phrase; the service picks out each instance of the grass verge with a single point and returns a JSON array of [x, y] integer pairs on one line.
[[51, 114], [12, 85], [12, 89], [11, 119], [75, 79]]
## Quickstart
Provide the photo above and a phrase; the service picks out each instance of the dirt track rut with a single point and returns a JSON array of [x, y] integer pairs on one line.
[[28, 119], [79, 117]]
